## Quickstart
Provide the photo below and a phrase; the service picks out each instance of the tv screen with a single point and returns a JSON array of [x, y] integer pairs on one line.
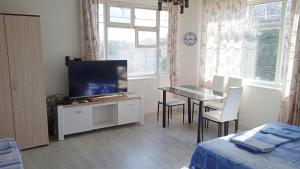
[[97, 78]]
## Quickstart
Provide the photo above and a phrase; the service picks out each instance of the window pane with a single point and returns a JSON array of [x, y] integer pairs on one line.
[[101, 33], [260, 54], [145, 17], [119, 15], [265, 13], [266, 54], [146, 38], [121, 45]]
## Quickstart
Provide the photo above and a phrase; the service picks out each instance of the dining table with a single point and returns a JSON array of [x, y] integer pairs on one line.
[[191, 92]]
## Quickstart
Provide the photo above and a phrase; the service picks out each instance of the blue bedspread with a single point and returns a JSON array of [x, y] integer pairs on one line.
[[222, 154]]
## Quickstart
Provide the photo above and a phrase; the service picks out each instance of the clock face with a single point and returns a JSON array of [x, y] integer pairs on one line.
[[190, 39]]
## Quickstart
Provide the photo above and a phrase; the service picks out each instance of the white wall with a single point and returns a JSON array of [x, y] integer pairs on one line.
[[60, 35], [187, 56], [259, 105]]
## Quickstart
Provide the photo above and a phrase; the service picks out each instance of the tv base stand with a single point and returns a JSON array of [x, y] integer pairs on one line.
[[99, 113]]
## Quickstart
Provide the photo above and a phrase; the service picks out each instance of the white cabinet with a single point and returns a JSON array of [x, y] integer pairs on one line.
[[95, 115], [130, 111], [77, 119]]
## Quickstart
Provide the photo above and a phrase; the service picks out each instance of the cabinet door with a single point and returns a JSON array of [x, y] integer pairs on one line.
[[27, 79], [6, 111], [77, 119], [129, 111]]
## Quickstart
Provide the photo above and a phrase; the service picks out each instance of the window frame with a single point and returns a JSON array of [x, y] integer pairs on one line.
[[108, 24], [277, 83]]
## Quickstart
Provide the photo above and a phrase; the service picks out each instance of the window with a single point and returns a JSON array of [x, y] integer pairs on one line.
[[261, 58], [132, 34]]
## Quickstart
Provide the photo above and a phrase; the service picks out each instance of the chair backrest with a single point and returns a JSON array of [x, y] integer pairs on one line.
[[217, 83], [233, 82], [232, 104]]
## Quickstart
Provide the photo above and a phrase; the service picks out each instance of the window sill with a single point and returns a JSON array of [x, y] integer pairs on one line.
[[264, 84], [142, 77]]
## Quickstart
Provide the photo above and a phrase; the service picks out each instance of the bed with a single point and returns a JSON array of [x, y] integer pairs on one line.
[[220, 153], [10, 154]]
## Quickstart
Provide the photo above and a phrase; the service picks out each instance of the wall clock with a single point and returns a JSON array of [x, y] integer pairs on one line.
[[190, 39]]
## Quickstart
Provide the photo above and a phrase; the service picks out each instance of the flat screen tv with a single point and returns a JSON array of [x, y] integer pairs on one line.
[[97, 78]]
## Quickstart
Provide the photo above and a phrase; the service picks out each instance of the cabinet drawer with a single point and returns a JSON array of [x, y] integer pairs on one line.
[[77, 119], [129, 111]]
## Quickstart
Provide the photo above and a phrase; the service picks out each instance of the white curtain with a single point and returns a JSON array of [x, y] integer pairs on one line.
[[222, 28], [89, 16]]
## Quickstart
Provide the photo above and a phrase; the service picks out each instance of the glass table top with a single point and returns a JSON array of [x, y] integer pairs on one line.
[[193, 92]]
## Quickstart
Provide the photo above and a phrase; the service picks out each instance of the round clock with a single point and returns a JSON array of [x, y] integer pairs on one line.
[[190, 39]]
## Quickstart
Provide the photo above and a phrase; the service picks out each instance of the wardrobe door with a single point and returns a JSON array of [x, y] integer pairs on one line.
[[27, 78], [6, 111]]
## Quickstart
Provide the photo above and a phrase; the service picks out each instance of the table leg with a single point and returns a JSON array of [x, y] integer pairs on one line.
[[164, 108], [189, 111], [200, 123]]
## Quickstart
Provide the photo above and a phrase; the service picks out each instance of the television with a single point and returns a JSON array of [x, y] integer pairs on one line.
[[97, 78]]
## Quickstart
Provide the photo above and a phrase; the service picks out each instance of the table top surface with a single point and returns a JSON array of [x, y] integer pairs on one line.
[[193, 92]]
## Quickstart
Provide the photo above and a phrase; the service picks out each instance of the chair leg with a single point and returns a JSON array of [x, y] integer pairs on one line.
[[207, 122], [157, 115], [236, 125], [225, 128], [193, 109], [168, 116], [220, 129], [171, 111], [183, 112]]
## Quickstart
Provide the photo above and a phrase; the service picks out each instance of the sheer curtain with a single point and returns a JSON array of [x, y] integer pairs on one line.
[[172, 44], [89, 17], [290, 107], [222, 28]]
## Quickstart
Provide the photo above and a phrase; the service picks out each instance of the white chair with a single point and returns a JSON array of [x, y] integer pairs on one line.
[[170, 103], [229, 111], [233, 82], [218, 105], [217, 86], [217, 83]]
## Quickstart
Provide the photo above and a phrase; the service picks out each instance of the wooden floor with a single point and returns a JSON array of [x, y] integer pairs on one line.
[[127, 147]]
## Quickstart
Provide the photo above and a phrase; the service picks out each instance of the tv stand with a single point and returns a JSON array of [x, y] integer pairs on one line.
[[101, 112]]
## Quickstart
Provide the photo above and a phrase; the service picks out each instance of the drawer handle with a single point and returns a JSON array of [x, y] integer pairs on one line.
[[77, 112]]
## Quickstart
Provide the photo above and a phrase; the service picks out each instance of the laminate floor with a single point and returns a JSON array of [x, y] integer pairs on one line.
[[125, 147]]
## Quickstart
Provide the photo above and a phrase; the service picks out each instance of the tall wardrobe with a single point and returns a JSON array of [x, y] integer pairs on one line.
[[23, 113]]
